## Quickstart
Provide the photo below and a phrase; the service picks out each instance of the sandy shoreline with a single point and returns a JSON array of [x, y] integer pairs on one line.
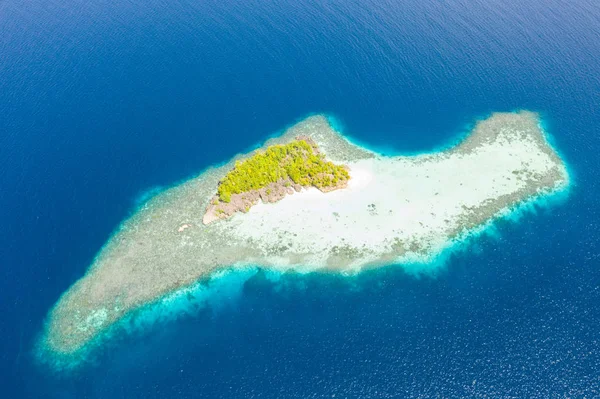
[[394, 209]]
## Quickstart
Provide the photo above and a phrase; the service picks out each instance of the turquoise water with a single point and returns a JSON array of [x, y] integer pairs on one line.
[[101, 102]]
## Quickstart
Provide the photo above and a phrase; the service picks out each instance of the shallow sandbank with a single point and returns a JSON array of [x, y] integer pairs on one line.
[[394, 210]]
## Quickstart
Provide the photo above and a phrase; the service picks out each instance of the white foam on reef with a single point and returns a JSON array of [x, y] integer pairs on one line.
[[412, 210]]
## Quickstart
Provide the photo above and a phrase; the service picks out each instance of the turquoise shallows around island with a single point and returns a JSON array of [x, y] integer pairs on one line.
[[407, 210], [102, 101]]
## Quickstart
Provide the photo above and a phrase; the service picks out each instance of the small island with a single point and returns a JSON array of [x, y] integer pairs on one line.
[[272, 174], [352, 210]]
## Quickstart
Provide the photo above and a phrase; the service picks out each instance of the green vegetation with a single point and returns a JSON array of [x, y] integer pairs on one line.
[[297, 161]]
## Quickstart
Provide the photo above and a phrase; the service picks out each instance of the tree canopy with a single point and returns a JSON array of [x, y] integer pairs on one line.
[[297, 161]]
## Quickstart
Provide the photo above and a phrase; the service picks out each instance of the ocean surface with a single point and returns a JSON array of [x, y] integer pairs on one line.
[[102, 103]]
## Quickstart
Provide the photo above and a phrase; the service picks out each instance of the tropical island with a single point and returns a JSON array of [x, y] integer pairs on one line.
[[327, 204], [271, 174]]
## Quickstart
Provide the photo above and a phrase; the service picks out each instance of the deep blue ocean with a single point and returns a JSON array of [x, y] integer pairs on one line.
[[102, 102]]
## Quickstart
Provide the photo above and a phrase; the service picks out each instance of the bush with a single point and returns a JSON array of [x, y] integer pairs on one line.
[[296, 161]]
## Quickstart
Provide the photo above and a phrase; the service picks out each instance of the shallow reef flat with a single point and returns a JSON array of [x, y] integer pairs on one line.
[[395, 210]]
